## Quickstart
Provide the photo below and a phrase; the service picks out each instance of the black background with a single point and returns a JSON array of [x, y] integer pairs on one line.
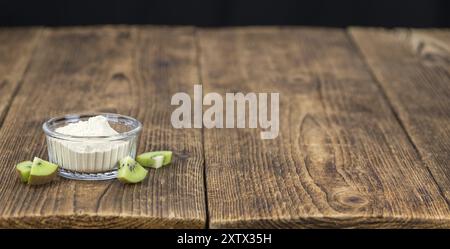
[[338, 13], [302, 238]]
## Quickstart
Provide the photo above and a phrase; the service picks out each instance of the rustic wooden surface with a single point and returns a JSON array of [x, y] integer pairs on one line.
[[364, 126], [16, 47], [342, 159], [124, 70], [418, 61]]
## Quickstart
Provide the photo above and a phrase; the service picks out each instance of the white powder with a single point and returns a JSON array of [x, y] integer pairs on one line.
[[95, 126], [90, 155]]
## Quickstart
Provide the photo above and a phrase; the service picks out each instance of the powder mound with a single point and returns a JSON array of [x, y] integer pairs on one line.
[[95, 126]]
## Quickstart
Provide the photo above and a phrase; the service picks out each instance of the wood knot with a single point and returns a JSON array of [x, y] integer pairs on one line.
[[181, 155], [350, 200], [430, 49], [119, 77]]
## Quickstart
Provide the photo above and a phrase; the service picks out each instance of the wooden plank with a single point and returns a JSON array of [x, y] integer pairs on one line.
[[413, 67], [341, 159], [116, 69], [16, 47]]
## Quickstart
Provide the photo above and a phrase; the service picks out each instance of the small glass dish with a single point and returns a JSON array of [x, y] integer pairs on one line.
[[91, 157]]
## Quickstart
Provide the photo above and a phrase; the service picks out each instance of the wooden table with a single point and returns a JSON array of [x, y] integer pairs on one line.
[[364, 120]]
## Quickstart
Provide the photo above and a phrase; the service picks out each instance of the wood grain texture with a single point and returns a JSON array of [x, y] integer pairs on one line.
[[16, 48], [341, 159], [413, 67], [127, 70]]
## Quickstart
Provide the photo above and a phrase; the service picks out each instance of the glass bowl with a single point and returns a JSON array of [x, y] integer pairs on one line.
[[91, 157]]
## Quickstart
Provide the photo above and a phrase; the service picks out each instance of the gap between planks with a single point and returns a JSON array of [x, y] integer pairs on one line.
[[198, 52]]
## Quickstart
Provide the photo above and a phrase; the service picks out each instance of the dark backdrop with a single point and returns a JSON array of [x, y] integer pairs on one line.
[[338, 13]]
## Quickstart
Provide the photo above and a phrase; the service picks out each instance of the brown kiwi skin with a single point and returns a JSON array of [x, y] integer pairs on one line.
[[39, 180]]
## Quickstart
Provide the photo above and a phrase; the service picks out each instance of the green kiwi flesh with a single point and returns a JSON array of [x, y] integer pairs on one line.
[[153, 159], [42, 172], [24, 169], [131, 171]]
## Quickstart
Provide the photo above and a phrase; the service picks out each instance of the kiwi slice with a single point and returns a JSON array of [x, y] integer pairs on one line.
[[155, 159], [42, 172], [130, 171], [24, 169]]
